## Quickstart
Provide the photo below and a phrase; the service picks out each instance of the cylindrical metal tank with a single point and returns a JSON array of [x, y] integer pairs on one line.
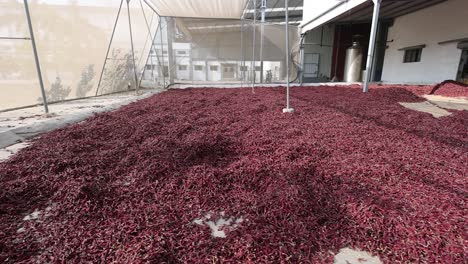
[[353, 63]]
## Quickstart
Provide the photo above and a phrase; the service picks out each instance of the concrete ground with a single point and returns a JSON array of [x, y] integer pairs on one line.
[[17, 126], [438, 106]]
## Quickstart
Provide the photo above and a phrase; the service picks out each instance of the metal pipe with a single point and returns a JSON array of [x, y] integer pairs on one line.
[[288, 108], [108, 48], [14, 38], [150, 56], [162, 52], [262, 32], [253, 46], [242, 52], [302, 59], [287, 53], [36, 57], [371, 51], [131, 43]]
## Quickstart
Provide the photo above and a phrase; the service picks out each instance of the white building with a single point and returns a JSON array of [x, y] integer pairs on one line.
[[420, 41]]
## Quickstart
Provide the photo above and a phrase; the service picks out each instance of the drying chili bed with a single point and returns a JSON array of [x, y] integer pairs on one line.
[[152, 181]]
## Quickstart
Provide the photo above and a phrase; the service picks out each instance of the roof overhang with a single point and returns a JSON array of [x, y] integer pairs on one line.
[[317, 13]]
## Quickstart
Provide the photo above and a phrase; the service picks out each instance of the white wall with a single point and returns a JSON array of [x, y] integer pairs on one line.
[[214, 75], [442, 22], [326, 51], [199, 75]]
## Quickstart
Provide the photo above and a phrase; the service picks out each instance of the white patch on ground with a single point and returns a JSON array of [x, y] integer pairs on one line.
[[38, 214], [453, 103], [6, 153], [21, 230], [351, 256], [427, 107], [219, 226], [33, 216]]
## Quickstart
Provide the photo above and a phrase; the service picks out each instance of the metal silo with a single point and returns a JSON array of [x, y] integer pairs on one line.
[[353, 63]]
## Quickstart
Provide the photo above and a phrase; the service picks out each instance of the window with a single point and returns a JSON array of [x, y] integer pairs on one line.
[[182, 67], [258, 68], [244, 68], [164, 52], [181, 52], [198, 68], [166, 71], [150, 67], [214, 68], [412, 55]]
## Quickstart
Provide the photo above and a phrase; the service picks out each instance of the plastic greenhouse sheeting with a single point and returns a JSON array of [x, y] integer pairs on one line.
[[201, 51], [200, 8], [72, 38]]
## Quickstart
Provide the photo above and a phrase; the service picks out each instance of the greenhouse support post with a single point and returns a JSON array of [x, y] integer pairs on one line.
[[162, 52], [253, 43], [109, 47], [131, 43], [36, 57], [262, 39], [288, 108], [370, 53]]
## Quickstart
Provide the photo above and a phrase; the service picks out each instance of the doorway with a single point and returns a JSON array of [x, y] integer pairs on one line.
[[229, 71], [462, 75]]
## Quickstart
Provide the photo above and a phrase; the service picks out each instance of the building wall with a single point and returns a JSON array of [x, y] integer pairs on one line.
[[321, 42], [199, 75], [442, 22]]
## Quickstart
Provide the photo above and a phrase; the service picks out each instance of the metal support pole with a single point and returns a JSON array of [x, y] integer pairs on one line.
[[162, 52], [108, 48], [36, 57], [242, 51], [150, 56], [170, 28], [253, 44], [262, 32], [133, 50], [288, 108], [302, 59], [370, 53]]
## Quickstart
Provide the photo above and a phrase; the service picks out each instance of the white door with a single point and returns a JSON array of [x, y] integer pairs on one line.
[[311, 65]]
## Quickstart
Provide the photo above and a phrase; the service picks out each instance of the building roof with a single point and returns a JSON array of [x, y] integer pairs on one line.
[[319, 12]]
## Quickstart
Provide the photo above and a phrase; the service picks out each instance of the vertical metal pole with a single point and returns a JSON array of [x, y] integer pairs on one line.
[[131, 42], [262, 32], [108, 48], [170, 51], [302, 60], [288, 108], [370, 53], [253, 44], [242, 72], [162, 51], [150, 56], [36, 57]]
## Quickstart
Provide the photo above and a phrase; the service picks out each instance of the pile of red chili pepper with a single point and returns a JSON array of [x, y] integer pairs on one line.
[[347, 169]]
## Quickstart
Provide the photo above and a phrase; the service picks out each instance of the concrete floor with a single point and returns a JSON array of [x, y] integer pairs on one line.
[[438, 106], [17, 126]]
